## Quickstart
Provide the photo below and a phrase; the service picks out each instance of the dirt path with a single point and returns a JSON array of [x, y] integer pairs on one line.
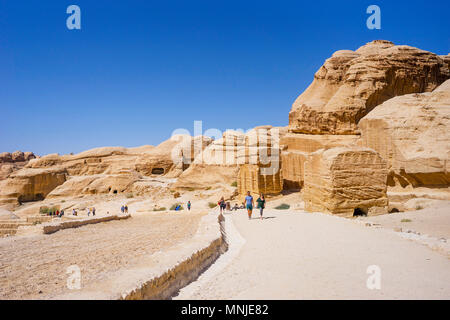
[[297, 255], [35, 267]]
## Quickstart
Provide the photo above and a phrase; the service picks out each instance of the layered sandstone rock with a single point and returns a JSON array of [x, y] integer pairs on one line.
[[108, 170], [412, 133], [218, 164], [345, 181], [10, 162], [296, 148], [351, 83], [259, 179], [30, 184]]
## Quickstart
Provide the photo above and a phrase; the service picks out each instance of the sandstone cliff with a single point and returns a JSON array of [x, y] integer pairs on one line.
[[351, 83], [412, 133], [10, 162]]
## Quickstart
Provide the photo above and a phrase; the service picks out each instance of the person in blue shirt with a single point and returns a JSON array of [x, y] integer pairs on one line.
[[249, 204]]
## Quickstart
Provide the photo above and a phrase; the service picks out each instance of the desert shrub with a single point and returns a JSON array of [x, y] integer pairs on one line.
[[212, 205], [190, 189], [176, 195], [234, 184], [419, 207], [62, 201], [208, 188], [160, 209], [175, 205], [283, 206], [406, 220], [129, 195], [46, 210]]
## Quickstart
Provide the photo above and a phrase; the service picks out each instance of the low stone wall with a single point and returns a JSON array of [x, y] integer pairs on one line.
[[205, 248], [56, 226], [162, 274]]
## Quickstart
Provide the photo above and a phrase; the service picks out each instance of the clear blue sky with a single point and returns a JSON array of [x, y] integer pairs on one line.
[[137, 70]]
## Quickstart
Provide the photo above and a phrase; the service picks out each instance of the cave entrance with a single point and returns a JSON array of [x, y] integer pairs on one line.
[[358, 212], [157, 171]]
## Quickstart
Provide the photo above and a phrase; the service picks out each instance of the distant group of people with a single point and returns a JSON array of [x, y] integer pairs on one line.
[[124, 209], [248, 204], [56, 213]]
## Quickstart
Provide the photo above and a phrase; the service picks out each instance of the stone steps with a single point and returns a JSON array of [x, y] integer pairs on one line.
[[13, 225], [10, 227], [5, 232]]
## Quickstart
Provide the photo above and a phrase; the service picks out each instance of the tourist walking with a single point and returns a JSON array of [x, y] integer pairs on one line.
[[122, 209], [189, 205], [261, 204], [222, 205], [126, 208], [93, 211], [249, 204], [89, 212]]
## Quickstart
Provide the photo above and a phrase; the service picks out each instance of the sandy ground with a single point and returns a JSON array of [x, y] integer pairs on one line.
[[433, 221], [35, 267], [297, 255]]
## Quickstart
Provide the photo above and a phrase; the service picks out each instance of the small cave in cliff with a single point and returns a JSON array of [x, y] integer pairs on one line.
[[31, 198], [358, 212], [158, 171]]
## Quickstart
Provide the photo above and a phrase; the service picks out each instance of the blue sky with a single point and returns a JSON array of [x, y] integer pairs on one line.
[[137, 70]]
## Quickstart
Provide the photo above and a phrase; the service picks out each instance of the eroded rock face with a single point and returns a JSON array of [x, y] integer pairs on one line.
[[297, 147], [351, 83], [344, 180], [108, 170], [253, 178], [412, 133], [218, 164], [11, 162], [30, 184]]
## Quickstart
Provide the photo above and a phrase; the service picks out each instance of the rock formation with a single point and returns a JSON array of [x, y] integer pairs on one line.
[[218, 164], [412, 133], [345, 181], [10, 162], [253, 178], [109, 170], [30, 184], [351, 83]]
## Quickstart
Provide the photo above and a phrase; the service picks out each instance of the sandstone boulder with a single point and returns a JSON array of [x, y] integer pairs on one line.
[[345, 181], [295, 149], [351, 83]]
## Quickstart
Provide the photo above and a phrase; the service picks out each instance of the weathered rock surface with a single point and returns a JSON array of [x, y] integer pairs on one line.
[[218, 164], [253, 178], [10, 162], [341, 179], [296, 148], [108, 170], [351, 83], [30, 184], [412, 133]]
